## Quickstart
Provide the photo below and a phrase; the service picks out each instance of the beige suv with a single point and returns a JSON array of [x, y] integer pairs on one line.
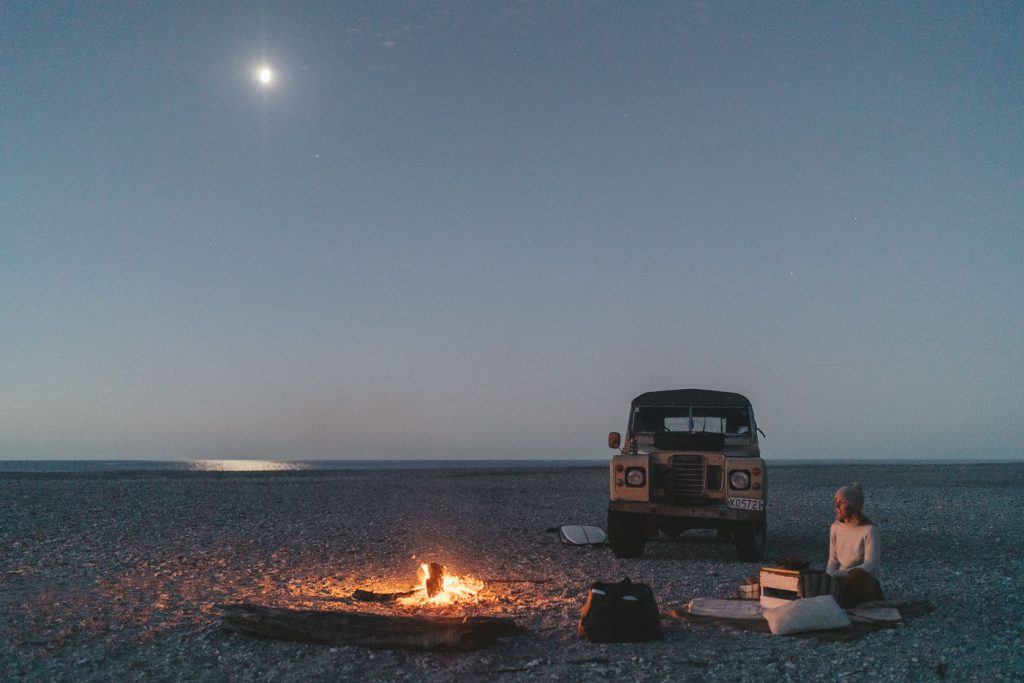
[[690, 460]]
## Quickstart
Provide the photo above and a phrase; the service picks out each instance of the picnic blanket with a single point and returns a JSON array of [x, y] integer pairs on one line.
[[741, 616]]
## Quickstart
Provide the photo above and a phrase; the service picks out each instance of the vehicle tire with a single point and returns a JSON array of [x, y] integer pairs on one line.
[[751, 540], [671, 527], [627, 534]]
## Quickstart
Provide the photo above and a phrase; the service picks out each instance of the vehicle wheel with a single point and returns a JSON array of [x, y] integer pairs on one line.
[[627, 534], [671, 527], [751, 540]]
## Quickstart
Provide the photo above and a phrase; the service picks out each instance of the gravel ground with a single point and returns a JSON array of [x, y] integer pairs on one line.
[[119, 576]]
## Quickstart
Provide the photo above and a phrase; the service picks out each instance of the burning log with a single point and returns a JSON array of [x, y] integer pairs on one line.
[[368, 630], [435, 579], [371, 596]]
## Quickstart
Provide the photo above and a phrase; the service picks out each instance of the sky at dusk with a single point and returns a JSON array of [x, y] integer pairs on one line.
[[478, 230]]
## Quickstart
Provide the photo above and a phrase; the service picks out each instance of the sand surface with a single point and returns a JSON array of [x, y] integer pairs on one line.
[[119, 576]]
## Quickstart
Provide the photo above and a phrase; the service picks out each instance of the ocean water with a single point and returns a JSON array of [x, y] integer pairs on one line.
[[73, 466], [44, 466]]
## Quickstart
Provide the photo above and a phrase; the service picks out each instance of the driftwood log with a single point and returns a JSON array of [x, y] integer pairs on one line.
[[367, 630]]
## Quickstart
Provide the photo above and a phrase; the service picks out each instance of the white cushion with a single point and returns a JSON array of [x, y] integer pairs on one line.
[[729, 609], [819, 613]]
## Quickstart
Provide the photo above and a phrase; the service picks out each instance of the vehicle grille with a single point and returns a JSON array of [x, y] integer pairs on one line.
[[687, 477]]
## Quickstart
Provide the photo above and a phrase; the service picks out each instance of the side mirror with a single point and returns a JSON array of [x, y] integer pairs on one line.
[[614, 440]]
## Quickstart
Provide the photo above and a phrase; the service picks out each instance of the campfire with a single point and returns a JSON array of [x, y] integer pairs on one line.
[[411, 629], [437, 587]]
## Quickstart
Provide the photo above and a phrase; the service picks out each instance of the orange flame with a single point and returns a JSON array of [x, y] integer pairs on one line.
[[456, 589]]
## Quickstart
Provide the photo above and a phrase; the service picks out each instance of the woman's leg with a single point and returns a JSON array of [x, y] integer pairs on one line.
[[856, 587]]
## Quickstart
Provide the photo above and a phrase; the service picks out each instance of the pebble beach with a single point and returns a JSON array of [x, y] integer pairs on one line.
[[122, 575]]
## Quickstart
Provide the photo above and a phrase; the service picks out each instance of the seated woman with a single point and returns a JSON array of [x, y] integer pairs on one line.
[[853, 550]]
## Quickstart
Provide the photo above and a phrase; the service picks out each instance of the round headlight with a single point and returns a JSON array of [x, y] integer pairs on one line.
[[635, 476], [739, 480]]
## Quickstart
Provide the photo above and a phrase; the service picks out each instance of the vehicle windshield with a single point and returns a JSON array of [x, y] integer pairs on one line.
[[715, 420]]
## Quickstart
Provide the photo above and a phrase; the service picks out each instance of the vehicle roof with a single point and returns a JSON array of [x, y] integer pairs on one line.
[[702, 396]]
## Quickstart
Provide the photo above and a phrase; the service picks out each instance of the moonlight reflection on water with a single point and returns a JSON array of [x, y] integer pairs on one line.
[[245, 466]]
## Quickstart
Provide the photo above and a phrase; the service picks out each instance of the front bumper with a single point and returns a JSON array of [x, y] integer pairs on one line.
[[703, 512]]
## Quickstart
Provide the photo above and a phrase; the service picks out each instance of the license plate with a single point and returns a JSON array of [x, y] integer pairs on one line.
[[745, 503]]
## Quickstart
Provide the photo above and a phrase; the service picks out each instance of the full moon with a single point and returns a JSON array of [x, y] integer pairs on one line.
[[265, 75]]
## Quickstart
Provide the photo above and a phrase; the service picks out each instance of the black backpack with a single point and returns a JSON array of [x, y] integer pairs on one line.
[[623, 612]]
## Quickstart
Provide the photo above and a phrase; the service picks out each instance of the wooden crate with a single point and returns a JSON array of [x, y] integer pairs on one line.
[[779, 586]]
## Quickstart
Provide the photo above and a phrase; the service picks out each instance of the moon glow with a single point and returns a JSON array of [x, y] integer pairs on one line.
[[265, 75]]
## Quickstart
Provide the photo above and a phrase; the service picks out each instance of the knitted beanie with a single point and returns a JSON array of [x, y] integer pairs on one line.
[[852, 494]]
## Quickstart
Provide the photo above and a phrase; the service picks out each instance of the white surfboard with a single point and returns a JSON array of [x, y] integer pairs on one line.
[[582, 535]]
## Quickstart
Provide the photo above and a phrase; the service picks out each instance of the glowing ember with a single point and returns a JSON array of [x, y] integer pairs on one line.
[[440, 588]]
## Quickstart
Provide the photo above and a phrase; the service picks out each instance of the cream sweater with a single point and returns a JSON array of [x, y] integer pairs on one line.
[[851, 546]]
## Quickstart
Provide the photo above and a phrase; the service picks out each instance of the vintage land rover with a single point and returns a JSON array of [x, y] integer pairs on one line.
[[690, 460]]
